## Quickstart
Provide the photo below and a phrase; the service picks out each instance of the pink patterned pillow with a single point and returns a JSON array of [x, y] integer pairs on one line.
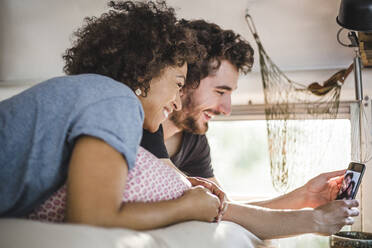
[[150, 180]]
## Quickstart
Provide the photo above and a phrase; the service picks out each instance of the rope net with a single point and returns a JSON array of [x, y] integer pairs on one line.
[[299, 120]]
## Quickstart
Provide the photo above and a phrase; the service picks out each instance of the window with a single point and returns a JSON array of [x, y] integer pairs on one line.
[[240, 158], [239, 152]]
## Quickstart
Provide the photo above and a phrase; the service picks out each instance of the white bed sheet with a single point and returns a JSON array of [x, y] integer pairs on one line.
[[19, 233]]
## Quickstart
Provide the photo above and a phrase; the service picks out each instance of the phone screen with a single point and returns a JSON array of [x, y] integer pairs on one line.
[[350, 184]]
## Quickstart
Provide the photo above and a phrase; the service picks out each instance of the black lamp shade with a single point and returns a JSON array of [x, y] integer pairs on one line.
[[356, 15]]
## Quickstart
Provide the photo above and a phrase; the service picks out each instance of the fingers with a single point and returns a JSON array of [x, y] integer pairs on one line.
[[349, 221], [224, 208], [203, 182], [218, 203], [347, 207], [351, 203], [350, 211], [332, 174], [339, 179], [353, 212], [197, 181], [215, 190], [222, 211], [334, 192], [218, 215], [191, 180], [219, 193], [204, 204], [209, 185], [332, 216]]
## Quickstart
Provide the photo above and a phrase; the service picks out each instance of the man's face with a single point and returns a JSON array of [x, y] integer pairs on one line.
[[211, 98], [346, 182]]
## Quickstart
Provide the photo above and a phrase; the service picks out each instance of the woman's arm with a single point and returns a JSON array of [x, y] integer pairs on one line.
[[96, 180], [210, 185], [268, 223]]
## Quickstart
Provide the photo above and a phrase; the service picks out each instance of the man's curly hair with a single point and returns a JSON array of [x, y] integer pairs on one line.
[[132, 44], [220, 45]]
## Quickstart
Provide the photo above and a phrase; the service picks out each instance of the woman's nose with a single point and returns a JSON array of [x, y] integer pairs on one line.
[[177, 104]]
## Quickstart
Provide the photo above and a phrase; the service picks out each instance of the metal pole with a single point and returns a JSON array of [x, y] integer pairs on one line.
[[362, 153], [358, 76], [359, 98]]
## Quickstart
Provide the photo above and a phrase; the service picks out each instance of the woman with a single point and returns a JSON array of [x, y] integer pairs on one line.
[[86, 128], [344, 192], [347, 193]]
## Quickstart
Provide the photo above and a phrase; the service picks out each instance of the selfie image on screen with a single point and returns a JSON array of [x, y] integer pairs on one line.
[[348, 185]]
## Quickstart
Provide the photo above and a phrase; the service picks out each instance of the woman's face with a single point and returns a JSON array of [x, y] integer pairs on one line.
[[346, 183], [163, 96]]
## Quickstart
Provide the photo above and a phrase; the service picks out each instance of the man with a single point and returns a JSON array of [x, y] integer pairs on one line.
[[346, 187], [187, 146]]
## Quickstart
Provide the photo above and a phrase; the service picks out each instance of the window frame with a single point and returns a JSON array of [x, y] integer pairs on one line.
[[347, 110]]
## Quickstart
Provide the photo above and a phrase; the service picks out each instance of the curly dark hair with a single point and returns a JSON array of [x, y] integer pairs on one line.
[[132, 44], [220, 45]]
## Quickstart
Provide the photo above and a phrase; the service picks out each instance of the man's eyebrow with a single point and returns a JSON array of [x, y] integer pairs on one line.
[[224, 87]]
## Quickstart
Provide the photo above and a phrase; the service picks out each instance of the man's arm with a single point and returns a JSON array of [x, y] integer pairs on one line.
[[318, 191], [269, 223]]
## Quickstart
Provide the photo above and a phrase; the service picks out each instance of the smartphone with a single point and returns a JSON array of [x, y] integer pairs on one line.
[[351, 182]]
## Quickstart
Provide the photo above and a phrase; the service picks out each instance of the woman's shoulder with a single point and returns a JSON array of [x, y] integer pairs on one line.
[[90, 85], [73, 95], [79, 90]]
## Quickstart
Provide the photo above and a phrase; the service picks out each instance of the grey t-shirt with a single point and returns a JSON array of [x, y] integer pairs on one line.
[[38, 129], [194, 157]]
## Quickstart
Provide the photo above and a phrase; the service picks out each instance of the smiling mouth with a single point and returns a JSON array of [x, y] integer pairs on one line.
[[166, 113], [208, 116]]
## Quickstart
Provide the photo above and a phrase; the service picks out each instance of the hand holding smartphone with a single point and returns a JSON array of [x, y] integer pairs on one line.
[[351, 182]]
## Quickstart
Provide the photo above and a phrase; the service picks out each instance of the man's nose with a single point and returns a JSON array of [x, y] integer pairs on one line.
[[225, 106]]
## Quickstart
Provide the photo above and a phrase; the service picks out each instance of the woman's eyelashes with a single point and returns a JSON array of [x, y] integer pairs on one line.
[[180, 85], [220, 92]]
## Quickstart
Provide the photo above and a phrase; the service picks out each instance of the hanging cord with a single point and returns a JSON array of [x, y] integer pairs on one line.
[[352, 37], [336, 80], [362, 152], [262, 52], [251, 26]]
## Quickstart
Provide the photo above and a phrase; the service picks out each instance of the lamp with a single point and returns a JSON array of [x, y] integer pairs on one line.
[[355, 15]]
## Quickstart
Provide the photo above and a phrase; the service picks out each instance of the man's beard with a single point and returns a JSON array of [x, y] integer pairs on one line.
[[186, 120], [188, 123]]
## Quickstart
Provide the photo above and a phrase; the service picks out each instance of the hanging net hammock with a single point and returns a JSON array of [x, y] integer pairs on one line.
[[313, 107]]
